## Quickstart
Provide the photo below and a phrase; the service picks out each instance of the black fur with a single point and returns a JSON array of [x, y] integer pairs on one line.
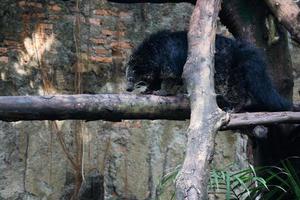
[[240, 75]]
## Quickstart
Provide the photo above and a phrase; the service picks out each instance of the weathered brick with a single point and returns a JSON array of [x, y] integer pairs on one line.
[[116, 53], [43, 29], [125, 14], [95, 21], [39, 15], [10, 43], [102, 51], [84, 56], [33, 16], [121, 45], [26, 17], [24, 4], [3, 59], [113, 33], [55, 8], [3, 50], [69, 17], [44, 26], [97, 41], [105, 12], [54, 17], [101, 59]]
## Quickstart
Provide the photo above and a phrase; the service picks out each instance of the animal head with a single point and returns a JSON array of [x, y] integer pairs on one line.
[[140, 76]]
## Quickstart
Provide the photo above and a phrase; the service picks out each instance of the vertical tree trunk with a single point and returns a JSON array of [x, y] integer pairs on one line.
[[206, 117]]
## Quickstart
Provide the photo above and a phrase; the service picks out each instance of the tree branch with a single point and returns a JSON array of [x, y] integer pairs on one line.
[[288, 14], [238, 120], [116, 107], [111, 107]]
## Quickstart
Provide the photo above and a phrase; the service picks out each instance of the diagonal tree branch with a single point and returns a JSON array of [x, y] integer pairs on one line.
[[288, 14]]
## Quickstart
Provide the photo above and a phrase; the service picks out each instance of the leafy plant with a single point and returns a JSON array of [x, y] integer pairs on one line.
[[292, 178], [278, 183], [241, 184], [287, 180], [167, 181]]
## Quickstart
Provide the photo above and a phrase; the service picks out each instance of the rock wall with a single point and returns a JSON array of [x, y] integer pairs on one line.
[[51, 47], [295, 49]]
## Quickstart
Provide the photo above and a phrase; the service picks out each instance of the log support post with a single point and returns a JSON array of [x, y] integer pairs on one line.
[[206, 117]]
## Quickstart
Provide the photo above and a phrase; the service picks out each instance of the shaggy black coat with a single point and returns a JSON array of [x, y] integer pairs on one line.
[[241, 81]]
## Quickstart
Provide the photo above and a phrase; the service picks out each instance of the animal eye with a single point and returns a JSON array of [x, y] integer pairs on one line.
[[142, 84]]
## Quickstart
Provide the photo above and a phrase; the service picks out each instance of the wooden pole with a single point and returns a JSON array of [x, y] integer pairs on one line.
[[206, 117], [110, 107], [116, 107]]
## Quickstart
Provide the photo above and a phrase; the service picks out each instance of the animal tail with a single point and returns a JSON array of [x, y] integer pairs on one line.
[[257, 81]]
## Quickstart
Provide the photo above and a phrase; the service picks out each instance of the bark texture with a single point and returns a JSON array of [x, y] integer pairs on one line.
[[287, 13], [116, 107], [206, 117], [261, 118], [108, 107]]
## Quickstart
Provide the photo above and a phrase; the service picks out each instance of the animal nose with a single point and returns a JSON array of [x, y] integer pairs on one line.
[[129, 89]]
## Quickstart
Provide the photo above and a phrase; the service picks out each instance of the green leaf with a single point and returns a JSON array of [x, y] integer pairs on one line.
[[228, 190]]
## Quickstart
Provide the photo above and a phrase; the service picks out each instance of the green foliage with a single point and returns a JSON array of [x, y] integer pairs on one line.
[[242, 184], [233, 184], [167, 181], [287, 181], [278, 182]]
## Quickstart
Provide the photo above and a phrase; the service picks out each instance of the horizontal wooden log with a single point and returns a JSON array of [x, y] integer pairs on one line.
[[116, 107], [110, 107], [237, 120], [152, 1]]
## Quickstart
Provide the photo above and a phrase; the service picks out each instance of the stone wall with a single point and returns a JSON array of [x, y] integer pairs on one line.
[[48, 47], [295, 51]]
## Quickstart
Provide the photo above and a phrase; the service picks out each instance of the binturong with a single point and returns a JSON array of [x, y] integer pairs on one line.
[[241, 80]]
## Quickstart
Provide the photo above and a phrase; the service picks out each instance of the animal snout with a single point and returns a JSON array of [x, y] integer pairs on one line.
[[129, 87]]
